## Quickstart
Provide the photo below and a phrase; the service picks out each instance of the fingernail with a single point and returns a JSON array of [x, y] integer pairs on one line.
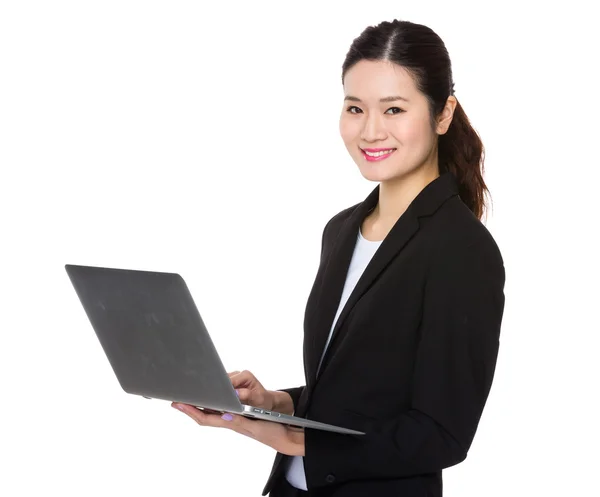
[[227, 417], [237, 392], [178, 407]]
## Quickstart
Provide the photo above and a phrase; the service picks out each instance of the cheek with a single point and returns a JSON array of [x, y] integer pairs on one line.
[[413, 133], [349, 131]]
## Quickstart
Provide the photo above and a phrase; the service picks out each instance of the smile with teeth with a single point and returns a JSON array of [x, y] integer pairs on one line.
[[380, 153]]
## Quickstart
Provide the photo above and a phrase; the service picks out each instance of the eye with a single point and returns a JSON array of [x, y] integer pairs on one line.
[[398, 109]]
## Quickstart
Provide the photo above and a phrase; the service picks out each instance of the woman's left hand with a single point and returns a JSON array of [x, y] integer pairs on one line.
[[282, 438]]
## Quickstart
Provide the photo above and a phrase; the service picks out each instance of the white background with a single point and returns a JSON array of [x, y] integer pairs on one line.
[[203, 140]]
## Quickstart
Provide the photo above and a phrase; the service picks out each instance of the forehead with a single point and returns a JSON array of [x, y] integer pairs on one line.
[[372, 80]]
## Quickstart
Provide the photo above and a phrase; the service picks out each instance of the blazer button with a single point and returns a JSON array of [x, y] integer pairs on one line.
[[330, 478]]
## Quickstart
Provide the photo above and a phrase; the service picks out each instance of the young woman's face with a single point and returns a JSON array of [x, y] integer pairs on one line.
[[402, 124]]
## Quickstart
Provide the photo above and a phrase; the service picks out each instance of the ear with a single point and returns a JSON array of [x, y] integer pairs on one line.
[[445, 117]]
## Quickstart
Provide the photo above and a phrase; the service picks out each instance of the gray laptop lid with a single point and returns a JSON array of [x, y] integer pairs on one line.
[[153, 336]]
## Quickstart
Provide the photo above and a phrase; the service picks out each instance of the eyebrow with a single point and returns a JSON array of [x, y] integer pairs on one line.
[[384, 99]]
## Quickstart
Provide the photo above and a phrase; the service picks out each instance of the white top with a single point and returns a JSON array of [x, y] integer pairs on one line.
[[363, 252]]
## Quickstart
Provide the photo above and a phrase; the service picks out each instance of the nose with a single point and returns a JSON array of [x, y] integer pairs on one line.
[[373, 129]]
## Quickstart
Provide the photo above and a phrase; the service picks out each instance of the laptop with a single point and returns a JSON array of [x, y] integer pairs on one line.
[[157, 344]]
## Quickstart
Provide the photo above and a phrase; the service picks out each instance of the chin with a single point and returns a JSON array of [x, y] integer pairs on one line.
[[378, 175], [375, 177]]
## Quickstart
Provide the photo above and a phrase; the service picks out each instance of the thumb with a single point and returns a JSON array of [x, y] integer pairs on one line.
[[243, 394]]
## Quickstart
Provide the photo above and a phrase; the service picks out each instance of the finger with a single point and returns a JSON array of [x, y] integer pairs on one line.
[[203, 418], [191, 411], [242, 379], [211, 411], [251, 397], [243, 394]]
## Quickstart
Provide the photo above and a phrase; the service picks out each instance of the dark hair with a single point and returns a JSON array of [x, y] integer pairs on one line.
[[419, 50]]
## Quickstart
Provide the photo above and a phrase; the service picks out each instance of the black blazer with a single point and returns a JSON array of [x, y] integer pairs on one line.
[[413, 353]]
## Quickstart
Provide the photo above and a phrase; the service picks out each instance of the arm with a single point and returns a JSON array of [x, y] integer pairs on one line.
[[455, 363], [286, 400]]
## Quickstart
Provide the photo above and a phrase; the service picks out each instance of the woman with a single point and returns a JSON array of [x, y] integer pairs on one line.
[[402, 324]]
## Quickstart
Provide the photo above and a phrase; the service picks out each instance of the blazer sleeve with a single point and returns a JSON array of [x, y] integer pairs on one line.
[[455, 362], [294, 393]]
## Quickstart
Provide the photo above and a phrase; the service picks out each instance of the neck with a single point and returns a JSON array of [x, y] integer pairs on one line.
[[396, 195]]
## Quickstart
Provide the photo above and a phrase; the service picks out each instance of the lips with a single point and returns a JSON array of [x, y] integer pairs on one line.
[[373, 150]]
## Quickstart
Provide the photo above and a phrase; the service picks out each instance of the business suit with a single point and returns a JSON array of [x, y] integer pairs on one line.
[[413, 353]]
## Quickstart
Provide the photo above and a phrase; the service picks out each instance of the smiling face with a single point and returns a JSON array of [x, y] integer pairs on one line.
[[383, 110]]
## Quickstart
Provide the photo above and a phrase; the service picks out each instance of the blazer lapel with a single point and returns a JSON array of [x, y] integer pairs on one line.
[[426, 202], [334, 279]]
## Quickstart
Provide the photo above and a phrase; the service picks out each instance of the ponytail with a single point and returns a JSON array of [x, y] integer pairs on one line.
[[462, 153]]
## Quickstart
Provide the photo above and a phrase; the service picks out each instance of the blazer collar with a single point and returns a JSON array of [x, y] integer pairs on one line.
[[424, 204]]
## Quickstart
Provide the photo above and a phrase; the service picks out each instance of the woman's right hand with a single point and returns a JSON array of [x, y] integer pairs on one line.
[[252, 393], [250, 390]]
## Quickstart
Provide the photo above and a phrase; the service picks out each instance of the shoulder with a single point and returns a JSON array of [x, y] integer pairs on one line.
[[332, 227], [458, 238], [452, 232]]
